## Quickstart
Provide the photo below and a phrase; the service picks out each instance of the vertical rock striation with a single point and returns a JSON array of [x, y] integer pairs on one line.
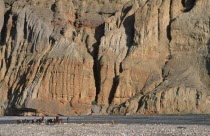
[[127, 57], [185, 80]]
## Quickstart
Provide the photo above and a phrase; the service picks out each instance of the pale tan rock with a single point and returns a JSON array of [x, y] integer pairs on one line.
[[113, 50], [1, 14], [51, 80], [125, 57], [149, 54], [185, 87]]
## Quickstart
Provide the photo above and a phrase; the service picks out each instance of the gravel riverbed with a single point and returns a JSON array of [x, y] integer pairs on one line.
[[72, 129]]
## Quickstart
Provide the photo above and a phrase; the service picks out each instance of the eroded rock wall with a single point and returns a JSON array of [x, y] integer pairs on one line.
[[185, 79], [127, 57]]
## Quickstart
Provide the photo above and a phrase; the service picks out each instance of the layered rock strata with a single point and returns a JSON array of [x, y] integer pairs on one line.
[[59, 57]]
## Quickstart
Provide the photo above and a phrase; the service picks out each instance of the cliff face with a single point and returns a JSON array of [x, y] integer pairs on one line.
[[131, 57]]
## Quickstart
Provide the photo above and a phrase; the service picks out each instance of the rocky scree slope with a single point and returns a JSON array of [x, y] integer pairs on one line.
[[59, 57]]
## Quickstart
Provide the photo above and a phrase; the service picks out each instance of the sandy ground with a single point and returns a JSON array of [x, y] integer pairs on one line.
[[72, 129]]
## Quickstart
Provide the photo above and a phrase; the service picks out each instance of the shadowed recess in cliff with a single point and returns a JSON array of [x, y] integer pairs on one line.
[[130, 32], [4, 29], [29, 36], [99, 33], [208, 58], [125, 12], [188, 4], [14, 95], [129, 29], [53, 8]]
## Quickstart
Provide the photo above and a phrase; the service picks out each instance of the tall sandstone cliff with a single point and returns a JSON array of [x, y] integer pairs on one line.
[[130, 57]]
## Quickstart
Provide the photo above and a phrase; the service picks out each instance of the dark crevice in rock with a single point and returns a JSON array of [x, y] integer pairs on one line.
[[130, 32], [198, 97], [169, 38], [13, 36], [188, 4], [8, 62], [28, 35], [12, 97], [25, 30], [96, 72], [164, 75], [169, 32], [99, 33], [208, 65], [129, 29], [208, 45], [16, 93], [121, 68], [159, 25], [208, 58], [14, 30], [140, 103], [125, 11], [177, 91], [4, 29], [3, 36], [169, 25], [53, 8], [13, 33], [9, 94]]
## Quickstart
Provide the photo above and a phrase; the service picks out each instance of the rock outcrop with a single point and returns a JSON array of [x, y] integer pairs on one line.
[[1, 14], [69, 57], [184, 84]]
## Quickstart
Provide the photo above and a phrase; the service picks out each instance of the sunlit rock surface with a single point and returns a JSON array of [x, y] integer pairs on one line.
[[69, 57]]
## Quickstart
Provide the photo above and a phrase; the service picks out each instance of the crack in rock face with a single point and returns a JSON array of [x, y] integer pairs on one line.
[[132, 57]]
